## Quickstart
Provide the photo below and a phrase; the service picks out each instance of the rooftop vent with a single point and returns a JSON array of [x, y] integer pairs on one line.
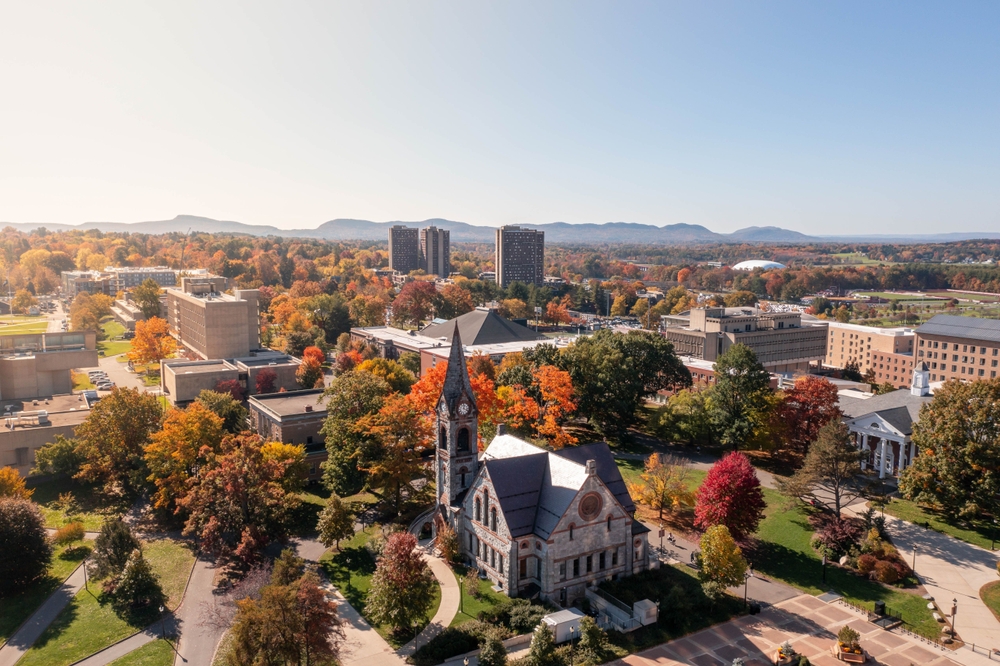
[[309, 408]]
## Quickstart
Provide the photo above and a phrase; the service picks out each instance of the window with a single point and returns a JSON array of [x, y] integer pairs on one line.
[[21, 454], [590, 563], [981, 372], [500, 569], [470, 541], [600, 561], [443, 438], [570, 532], [982, 350], [562, 571], [309, 439], [493, 558], [522, 568], [576, 567], [479, 514], [493, 519], [614, 557], [609, 517], [463, 440]]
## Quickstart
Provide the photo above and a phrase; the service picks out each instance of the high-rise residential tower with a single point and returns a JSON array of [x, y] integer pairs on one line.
[[520, 256], [435, 251], [404, 249]]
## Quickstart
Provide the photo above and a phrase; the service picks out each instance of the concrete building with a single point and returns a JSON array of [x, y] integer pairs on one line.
[[29, 425], [39, 365], [404, 249], [888, 352], [127, 313], [213, 324], [294, 417], [183, 380], [89, 282], [520, 256], [963, 348], [883, 424], [534, 522], [435, 251], [782, 341], [128, 277]]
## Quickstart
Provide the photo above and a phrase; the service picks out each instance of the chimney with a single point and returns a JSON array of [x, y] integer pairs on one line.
[[501, 429], [309, 408], [591, 468]]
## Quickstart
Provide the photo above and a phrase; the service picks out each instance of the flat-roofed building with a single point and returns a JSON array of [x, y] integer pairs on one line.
[[404, 248], [38, 365], [520, 256], [28, 425], [888, 352], [213, 324], [123, 278], [87, 282], [782, 341], [183, 380], [435, 251], [965, 348], [293, 417]]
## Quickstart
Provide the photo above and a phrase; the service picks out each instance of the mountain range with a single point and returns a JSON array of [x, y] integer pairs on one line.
[[462, 232]]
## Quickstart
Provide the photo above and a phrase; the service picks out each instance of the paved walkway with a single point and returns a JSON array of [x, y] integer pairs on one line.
[[811, 626], [132, 643], [25, 637], [198, 640], [950, 569], [450, 599]]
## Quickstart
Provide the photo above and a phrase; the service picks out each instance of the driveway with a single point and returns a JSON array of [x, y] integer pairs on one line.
[[119, 374]]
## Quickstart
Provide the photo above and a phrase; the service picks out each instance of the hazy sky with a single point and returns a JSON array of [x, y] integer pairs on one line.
[[824, 117]]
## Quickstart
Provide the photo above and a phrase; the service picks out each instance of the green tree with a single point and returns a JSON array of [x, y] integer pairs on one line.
[[741, 390], [223, 405], [23, 301], [492, 652], [25, 551], [58, 457], [593, 646], [350, 397], [398, 377], [288, 568], [722, 563], [740, 299], [411, 362], [147, 298], [830, 474], [542, 651], [402, 588], [686, 418], [112, 438], [958, 468], [336, 522], [137, 587], [112, 548]]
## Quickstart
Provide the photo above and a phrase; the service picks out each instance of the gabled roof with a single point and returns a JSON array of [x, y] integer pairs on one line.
[[481, 327], [531, 480], [972, 328], [899, 408]]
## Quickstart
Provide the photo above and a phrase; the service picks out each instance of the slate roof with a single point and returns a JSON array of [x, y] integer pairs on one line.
[[456, 378], [535, 487], [482, 327], [972, 328], [899, 408]]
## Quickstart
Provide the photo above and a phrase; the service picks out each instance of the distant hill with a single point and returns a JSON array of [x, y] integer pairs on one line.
[[462, 232]]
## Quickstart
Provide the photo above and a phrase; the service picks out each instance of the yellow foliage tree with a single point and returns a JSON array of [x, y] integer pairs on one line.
[[188, 437], [664, 485], [12, 484], [152, 342], [293, 458]]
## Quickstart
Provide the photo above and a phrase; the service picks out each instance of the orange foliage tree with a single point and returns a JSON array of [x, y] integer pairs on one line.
[[188, 437], [152, 342], [556, 389]]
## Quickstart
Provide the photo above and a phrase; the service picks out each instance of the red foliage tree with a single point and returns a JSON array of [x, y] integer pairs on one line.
[[807, 407], [264, 381], [415, 302], [230, 386], [731, 496]]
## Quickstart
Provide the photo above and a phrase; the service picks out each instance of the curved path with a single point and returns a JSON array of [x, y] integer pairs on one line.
[[22, 640]]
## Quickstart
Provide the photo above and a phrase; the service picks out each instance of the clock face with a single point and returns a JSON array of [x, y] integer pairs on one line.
[[463, 408]]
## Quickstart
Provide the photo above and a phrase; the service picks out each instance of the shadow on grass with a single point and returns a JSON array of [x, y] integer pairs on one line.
[[76, 553], [350, 570]]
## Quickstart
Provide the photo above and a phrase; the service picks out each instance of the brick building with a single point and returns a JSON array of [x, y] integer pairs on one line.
[[293, 417], [955, 347], [887, 352]]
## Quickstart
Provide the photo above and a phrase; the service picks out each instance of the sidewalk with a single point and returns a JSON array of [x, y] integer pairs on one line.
[[450, 599], [25, 637], [197, 642], [950, 569]]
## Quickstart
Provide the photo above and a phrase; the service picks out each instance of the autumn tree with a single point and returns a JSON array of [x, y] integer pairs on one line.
[[453, 301], [414, 303], [557, 403], [722, 563], [188, 438], [403, 433], [113, 437], [829, 475], [264, 382], [398, 377], [958, 468], [336, 522], [664, 484], [314, 354], [25, 551], [230, 387], [231, 411], [740, 393], [806, 407], [557, 312], [59, 456], [685, 418], [402, 588], [447, 544], [350, 397], [12, 484], [309, 374], [731, 495], [152, 342], [513, 308], [147, 298], [23, 301], [237, 502]]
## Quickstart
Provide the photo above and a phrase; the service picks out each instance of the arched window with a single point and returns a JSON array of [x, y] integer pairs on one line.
[[493, 519], [486, 502], [443, 438], [478, 511], [571, 532], [463, 440], [609, 522]]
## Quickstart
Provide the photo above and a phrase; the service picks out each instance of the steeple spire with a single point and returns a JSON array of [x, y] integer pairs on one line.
[[456, 379]]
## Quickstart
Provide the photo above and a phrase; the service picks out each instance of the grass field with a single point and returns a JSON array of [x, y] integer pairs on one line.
[[909, 297], [856, 258], [89, 507], [89, 623], [968, 295], [471, 607], [978, 534], [990, 594], [111, 347], [351, 570], [81, 381], [158, 653], [21, 325], [19, 607]]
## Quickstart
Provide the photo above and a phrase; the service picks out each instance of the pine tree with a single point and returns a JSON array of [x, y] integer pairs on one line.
[[137, 586], [492, 653], [112, 548], [543, 647]]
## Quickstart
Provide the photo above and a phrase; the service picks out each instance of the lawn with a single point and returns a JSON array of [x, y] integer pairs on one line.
[[89, 623], [351, 569], [471, 607], [157, 653], [784, 553], [32, 325], [978, 534], [19, 607], [111, 347], [91, 508], [81, 381], [991, 597]]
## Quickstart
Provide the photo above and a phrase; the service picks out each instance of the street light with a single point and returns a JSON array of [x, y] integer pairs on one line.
[[572, 655], [954, 612], [163, 633], [747, 575], [824, 567], [914, 567]]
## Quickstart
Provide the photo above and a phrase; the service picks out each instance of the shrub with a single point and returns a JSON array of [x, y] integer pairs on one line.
[[840, 536], [25, 551], [848, 637], [866, 563], [518, 615], [450, 642], [68, 534], [885, 572]]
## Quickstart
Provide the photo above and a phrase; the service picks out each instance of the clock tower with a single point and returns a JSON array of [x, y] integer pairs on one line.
[[457, 451]]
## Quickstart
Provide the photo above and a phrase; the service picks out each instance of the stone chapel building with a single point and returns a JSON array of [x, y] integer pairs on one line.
[[535, 522]]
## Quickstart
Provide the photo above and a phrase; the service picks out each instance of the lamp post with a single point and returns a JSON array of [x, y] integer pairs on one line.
[[747, 575], [163, 632], [994, 542], [954, 612], [824, 568], [572, 647], [914, 567], [85, 574]]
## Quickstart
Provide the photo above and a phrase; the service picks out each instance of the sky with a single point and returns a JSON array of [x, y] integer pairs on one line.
[[823, 117]]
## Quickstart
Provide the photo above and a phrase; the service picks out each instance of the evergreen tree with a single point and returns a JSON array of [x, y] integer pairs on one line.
[[25, 552], [137, 586], [492, 652], [543, 647], [112, 548], [741, 388]]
